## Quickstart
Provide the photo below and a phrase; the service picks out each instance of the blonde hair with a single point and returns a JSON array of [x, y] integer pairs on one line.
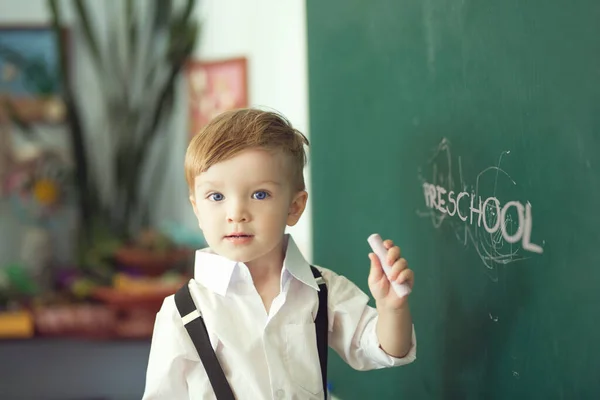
[[235, 131]]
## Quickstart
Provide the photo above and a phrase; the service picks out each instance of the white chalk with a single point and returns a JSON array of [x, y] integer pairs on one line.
[[376, 243]]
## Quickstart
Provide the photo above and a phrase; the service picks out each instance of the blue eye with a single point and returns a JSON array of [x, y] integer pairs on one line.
[[216, 197], [260, 195]]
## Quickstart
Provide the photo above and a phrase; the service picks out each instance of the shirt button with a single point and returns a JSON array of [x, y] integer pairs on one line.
[[280, 393]]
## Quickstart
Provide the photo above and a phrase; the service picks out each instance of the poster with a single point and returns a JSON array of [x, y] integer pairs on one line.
[[215, 87]]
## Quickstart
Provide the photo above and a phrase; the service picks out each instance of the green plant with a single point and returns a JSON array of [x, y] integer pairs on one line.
[[138, 87]]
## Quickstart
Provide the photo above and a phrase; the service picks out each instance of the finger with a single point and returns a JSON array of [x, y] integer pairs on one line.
[[406, 276], [376, 272], [397, 268], [388, 244], [393, 255]]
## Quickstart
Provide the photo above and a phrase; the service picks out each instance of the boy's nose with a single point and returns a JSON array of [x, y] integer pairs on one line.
[[237, 218], [237, 213]]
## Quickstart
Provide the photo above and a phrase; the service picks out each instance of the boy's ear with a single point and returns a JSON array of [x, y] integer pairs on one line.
[[297, 207], [195, 208]]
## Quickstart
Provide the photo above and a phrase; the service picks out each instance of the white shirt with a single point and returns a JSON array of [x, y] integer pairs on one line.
[[264, 356]]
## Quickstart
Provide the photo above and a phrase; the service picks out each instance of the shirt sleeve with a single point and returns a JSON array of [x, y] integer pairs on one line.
[[352, 324], [165, 376]]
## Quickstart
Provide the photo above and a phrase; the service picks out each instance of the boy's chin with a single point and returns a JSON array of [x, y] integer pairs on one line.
[[245, 255], [240, 256]]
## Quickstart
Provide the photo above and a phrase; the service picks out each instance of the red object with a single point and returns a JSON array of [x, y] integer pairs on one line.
[[123, 300], [76, 320], [215, 87], [150, 263]]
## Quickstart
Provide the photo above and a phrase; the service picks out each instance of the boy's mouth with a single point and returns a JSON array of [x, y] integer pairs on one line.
[[239, 239]]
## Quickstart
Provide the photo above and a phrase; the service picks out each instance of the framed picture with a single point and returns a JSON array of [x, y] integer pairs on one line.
[[214, 87], [30, 73]]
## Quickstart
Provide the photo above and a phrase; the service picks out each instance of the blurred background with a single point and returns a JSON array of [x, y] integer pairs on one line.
[[493, 99], [98, 101]]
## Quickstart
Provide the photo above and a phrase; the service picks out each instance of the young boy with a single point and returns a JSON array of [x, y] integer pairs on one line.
[[254, 291]]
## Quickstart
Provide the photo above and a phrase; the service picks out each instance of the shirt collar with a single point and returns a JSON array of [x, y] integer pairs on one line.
[[215, 271], [296, 264]]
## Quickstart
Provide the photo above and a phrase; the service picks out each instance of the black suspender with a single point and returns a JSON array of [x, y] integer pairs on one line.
[[322, 326], [194, 323]]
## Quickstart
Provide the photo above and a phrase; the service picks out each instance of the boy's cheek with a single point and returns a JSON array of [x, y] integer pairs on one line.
[[194, 206], [201, 223], [197, 214]]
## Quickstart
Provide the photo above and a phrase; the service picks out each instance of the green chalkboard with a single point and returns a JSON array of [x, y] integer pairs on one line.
[[498, 101]]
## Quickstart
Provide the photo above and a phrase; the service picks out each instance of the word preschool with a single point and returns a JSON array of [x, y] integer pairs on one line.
[[451, 203]]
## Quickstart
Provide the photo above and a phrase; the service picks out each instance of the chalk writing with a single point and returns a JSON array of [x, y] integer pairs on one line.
[[494, 228], [488, 213]]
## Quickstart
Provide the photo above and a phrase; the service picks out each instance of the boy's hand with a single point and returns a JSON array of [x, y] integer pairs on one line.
[[379, 284]]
